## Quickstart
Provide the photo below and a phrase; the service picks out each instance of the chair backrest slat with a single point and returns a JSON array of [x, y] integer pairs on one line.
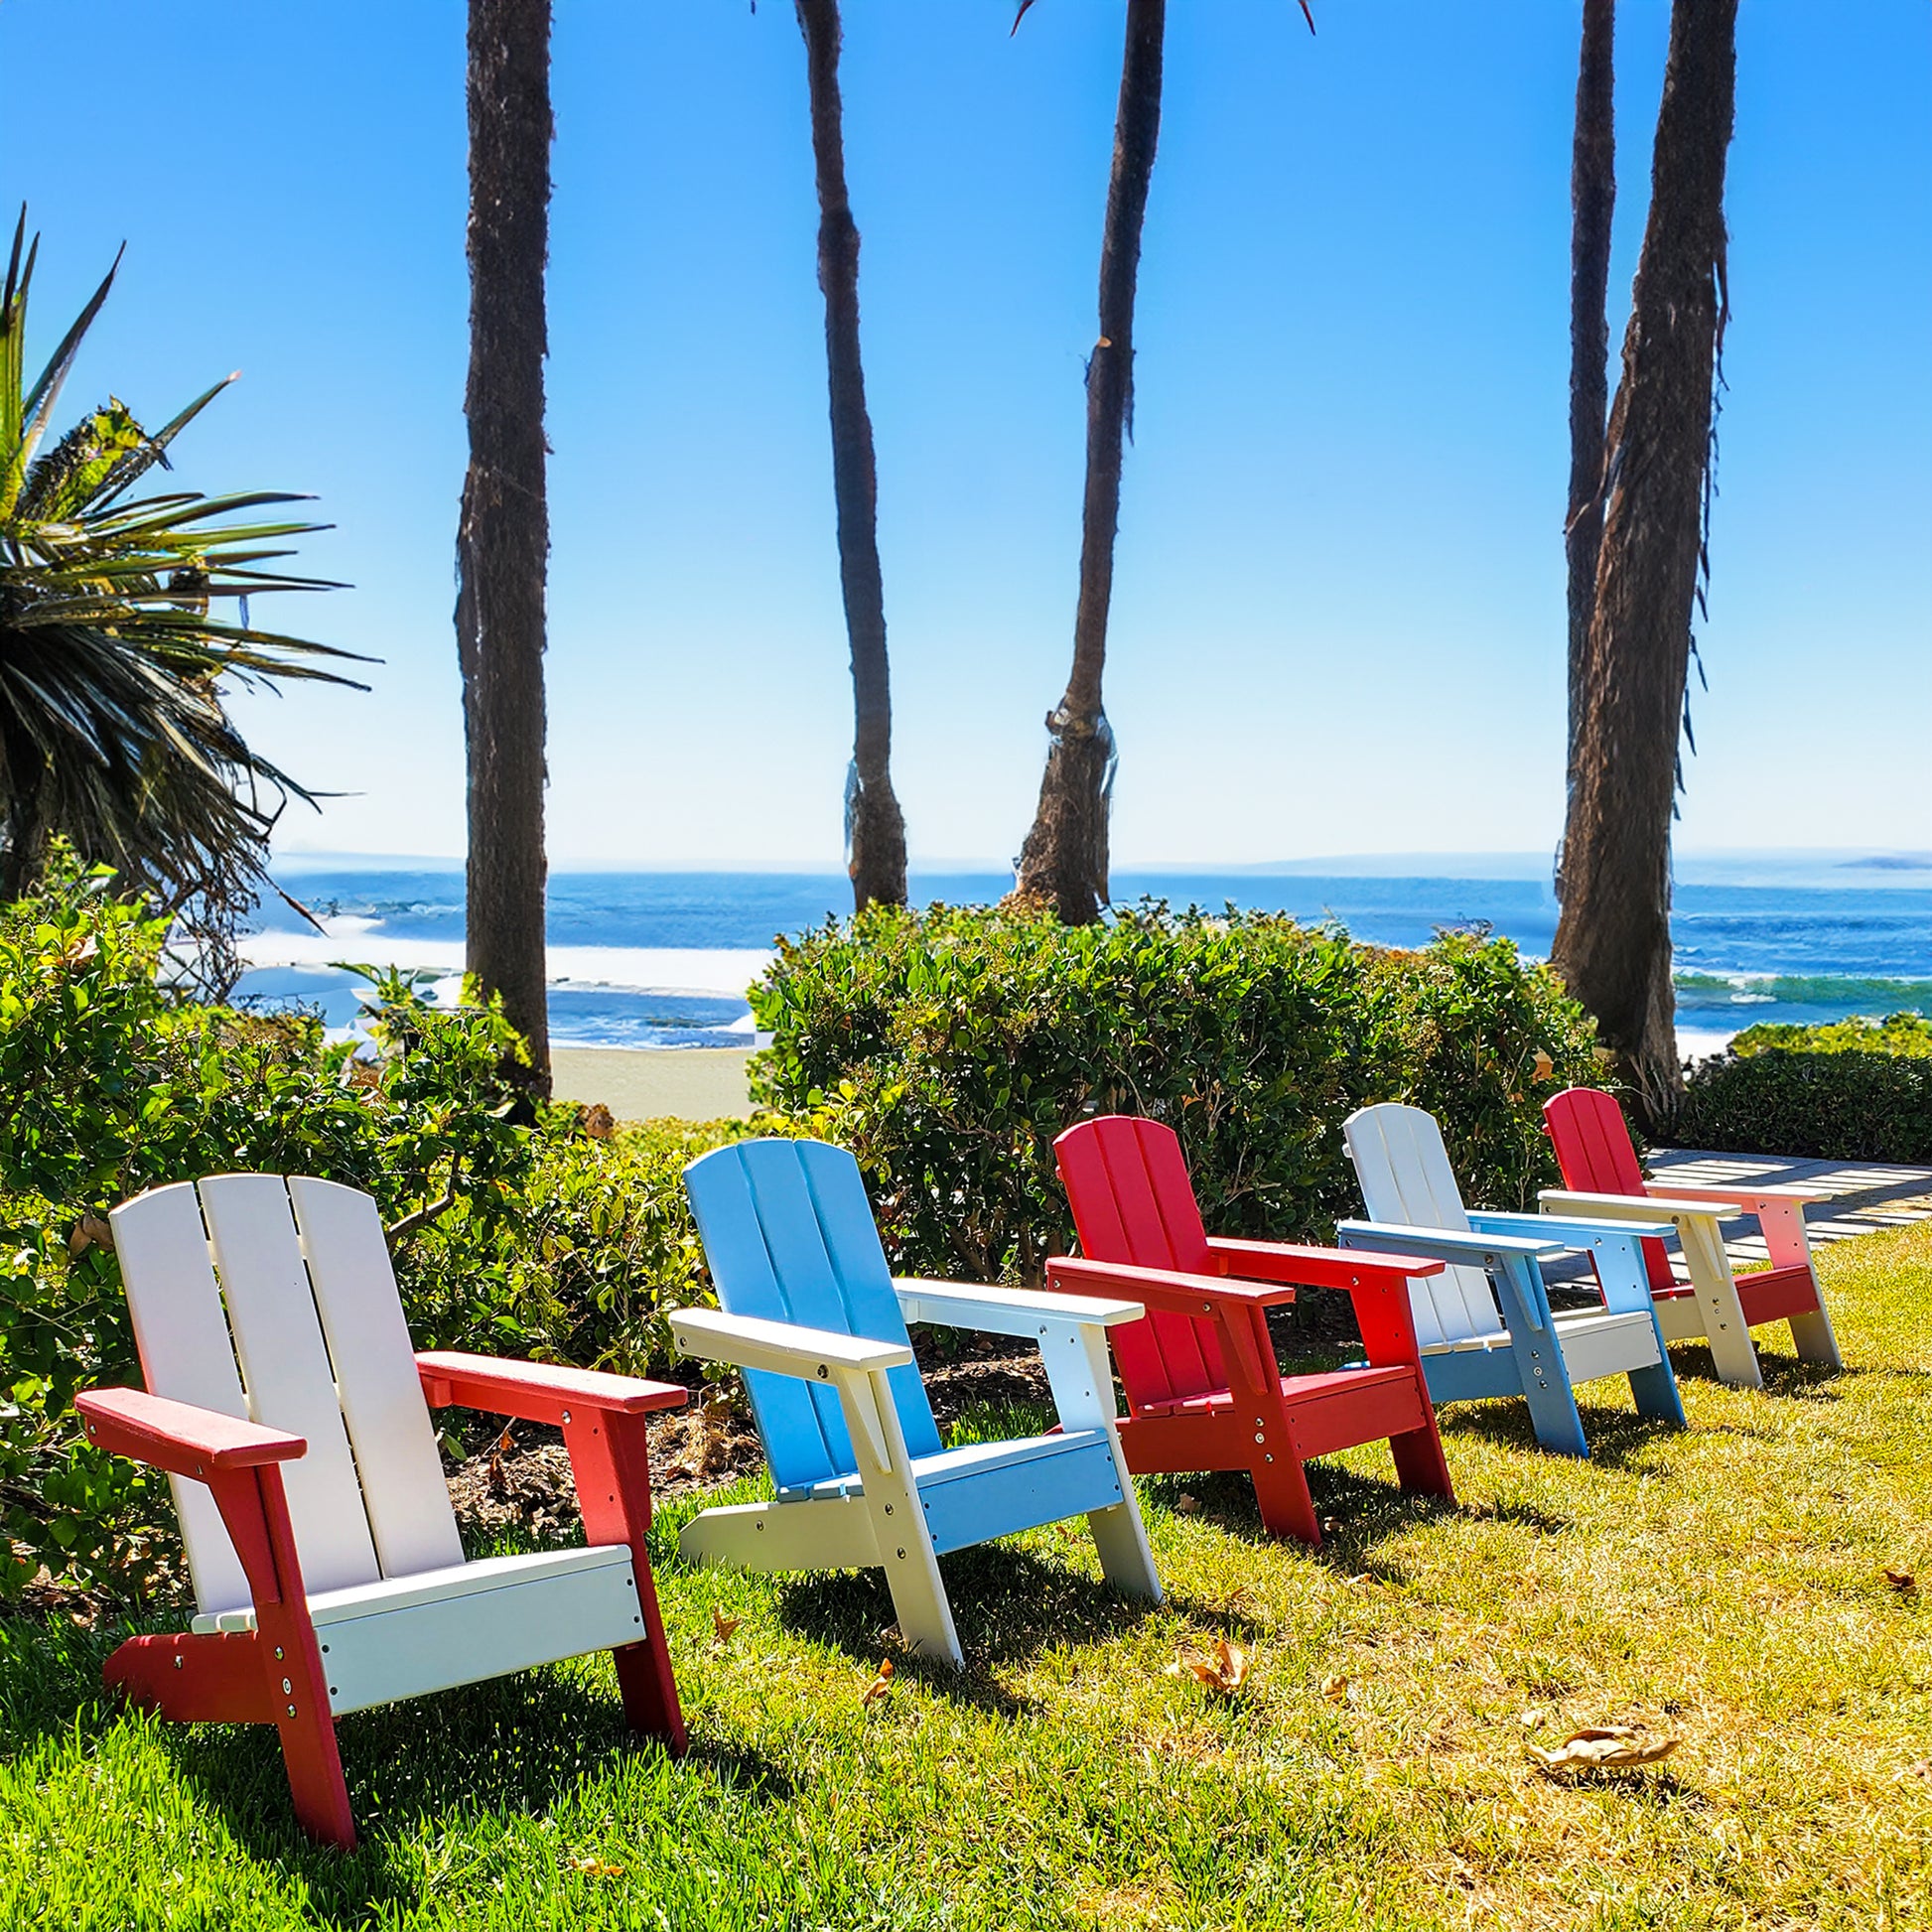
[[1132, 1204], [286, 1368], [1406, 1180], [187, 1356], [1592, 1143], [381, 1395], [790, 1236]]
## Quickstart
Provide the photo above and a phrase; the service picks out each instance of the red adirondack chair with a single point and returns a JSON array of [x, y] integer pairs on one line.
[[1203, 1388], [1602, 1177]]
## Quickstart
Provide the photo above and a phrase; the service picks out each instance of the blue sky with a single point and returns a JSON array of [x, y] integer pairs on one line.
[[1339, 613]]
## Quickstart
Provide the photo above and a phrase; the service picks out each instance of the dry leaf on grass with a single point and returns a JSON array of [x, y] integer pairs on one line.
[[1603, 1747], [880, 1685], [597, 1869], [1335, 1688], [1901, 1579], [1537, 1713], [723, 1629], [1224, 1668], [1187, 1505]]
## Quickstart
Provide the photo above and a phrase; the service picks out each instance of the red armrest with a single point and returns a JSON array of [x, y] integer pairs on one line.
[[537, 1391], [178, 1437], [1343, 1267], [1162, 1288]]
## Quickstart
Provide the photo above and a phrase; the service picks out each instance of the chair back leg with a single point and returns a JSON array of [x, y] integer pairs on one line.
[[1733, 1353], [1421, 1468], [1811, 1336], [1654, 1391]]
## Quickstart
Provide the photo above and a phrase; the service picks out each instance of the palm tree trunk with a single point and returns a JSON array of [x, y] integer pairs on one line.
[[1592, 203], [875, 826], [1064, 858], [1613, 943], [503, 537]]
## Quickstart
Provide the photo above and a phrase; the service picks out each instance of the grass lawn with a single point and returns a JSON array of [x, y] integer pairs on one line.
[[1726, 1586]]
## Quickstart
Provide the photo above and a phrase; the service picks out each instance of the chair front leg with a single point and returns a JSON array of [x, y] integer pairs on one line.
[[1540, 1365], [1785, 1240], [899, 1523], [1733, 1352], [610, 1462], [1275, 1458], [254, 1511], [1080, 1374]]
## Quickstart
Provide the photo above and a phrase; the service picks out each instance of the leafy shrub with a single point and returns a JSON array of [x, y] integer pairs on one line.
[[949, 1048], [1853, 1090], [1906, 1034], [514, 1230]]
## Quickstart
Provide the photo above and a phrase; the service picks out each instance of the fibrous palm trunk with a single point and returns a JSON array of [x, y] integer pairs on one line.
[[875, 826], [503, 538], [1612, 943], [1064, 858], [1592, 203]]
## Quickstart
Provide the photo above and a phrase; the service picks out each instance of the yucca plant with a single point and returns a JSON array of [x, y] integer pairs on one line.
[[115, 639]]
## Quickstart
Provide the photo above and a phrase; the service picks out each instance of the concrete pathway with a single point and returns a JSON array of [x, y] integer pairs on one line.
[[1865, 1196]]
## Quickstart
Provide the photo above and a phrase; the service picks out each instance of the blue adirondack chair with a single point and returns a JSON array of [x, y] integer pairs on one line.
[[1485, 1323], [811, 1314]]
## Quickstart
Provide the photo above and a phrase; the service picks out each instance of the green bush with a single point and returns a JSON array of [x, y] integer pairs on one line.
[[949, 1048], [1852, 1091], [1908, 1035], [516, 1230]]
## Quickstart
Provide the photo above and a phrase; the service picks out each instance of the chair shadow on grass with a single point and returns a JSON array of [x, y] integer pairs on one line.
[[1007, 1604], [517, 1745], [1618, 1439]]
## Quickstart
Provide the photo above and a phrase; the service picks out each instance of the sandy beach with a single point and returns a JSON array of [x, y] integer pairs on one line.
[[656, 1082]]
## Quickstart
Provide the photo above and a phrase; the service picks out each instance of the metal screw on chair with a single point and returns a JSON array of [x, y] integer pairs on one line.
[[287, 1686], [566, 1414], [291, 1709], [278, 1653]]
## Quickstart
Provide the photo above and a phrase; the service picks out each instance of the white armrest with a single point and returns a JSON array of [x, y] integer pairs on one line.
[[1631, 1208], [1007, 1310], [1444, 1244], [1747, 1199], [782, 1347]]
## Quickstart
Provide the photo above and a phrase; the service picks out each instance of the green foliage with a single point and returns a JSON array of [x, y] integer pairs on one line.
[[1855, 1090], [1906, 1034], [514, 1230], [113, 635], [949, 1048]]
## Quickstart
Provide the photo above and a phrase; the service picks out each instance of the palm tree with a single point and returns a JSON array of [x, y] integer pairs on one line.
[[113, 648], [1612, 943], [1593, 204], [875, 826], [503, 536], [1064, 858]]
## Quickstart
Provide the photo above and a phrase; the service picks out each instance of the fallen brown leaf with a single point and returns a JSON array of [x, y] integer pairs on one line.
[[1603, 1747], [1901, 1579], [1335, 1688], [1187, 1505], [1537, 1713], [723, 1629], [1224, 1668], [879, 1685]]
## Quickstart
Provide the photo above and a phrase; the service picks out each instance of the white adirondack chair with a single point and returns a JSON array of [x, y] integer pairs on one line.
[[327, 1567], [1485, 1323]]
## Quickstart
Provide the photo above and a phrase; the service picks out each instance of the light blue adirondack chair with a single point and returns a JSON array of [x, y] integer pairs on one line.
[[1485, 1323], [813, 1316]]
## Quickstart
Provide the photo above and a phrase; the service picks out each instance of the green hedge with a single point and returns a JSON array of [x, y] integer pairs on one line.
[[555, 1237], [949, 1048], [1855, 1090]]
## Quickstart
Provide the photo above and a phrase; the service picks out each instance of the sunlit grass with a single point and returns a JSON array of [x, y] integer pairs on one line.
[[1726, 1586]]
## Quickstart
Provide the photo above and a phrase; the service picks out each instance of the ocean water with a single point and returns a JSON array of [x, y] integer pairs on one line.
[[662, 959]]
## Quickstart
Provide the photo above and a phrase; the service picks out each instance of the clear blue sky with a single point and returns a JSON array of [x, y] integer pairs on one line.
[[1338, 617]]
